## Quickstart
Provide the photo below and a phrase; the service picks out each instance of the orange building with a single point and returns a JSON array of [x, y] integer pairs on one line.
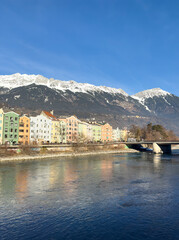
[[24, 130], [106, 132]]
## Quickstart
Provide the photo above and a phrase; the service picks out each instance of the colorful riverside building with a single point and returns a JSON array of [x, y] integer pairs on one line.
[[96, 132], [1, 124], [24, 130], [55, 132], [11, 128], [40, 129], [58, 134], [106, 132], [58, 131], [71, 128], [63, 131], [85, 131], [116, 135]]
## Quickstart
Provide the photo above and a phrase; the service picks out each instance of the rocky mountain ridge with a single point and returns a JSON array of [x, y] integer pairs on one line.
[[36, 93], [19, 80]]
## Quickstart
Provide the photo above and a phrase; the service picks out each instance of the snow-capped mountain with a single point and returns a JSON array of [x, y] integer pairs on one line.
[[150, 93], [158, 101], [35, 93], [19, 80]]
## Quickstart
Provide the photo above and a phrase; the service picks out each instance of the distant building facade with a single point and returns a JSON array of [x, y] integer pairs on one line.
[[24, 130], [11, 128], [55, 132], [46, 128], [40, 129], [1, 125], [96, 132], [71, 128], [85, 131], [116, 135], [63, 131], [106, 132]]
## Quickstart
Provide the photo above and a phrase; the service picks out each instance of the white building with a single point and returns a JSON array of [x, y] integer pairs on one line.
[[116, 135], [40, 129]]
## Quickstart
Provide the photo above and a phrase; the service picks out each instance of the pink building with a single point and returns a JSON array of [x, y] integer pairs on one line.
[[71, 128]]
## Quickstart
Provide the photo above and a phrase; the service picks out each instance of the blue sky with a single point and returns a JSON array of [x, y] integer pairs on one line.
[[128, 44]]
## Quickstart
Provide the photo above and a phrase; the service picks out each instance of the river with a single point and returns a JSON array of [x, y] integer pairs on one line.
[[117, 196]]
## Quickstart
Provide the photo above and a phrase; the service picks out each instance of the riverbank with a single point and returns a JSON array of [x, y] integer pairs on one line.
[[58, 155]]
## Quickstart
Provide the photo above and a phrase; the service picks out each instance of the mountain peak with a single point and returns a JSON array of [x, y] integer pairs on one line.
[[150, 93]]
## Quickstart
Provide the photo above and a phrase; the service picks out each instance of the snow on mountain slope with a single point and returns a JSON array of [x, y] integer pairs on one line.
[[143, 96], [150, 93], [18, 80]]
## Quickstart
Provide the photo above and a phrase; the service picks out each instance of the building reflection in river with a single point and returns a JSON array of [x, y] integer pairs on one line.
[[21, 187], [71, 174]]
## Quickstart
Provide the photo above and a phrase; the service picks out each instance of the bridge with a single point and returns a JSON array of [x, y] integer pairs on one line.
[[158, 146], [155, 147]]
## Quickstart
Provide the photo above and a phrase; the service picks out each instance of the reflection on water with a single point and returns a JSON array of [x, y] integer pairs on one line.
[[125, 196], [157, 161]]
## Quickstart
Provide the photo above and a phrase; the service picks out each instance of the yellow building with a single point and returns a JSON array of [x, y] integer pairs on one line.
[[1, 125], [55, 132], [85, 131], [124, 135]]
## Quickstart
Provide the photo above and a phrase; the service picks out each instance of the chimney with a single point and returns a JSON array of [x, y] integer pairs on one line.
[[51, 112]]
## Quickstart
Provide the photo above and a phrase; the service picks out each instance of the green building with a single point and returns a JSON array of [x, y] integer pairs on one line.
[[96, 132], [11, 128]]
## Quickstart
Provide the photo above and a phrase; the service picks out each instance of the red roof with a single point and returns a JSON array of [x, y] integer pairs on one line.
[[50, 115]]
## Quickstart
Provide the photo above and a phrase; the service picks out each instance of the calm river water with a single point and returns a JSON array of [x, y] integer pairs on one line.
[[123, 196]]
